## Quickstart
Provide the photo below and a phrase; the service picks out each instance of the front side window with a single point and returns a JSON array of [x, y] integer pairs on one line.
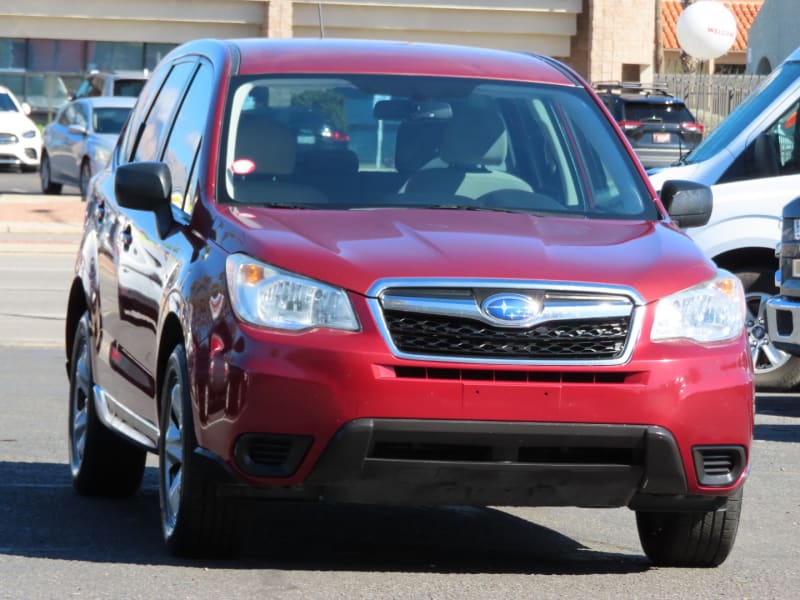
[[371, 142], [183, 145]]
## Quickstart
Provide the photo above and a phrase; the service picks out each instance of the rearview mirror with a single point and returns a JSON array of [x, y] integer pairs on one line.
[[400, 109]]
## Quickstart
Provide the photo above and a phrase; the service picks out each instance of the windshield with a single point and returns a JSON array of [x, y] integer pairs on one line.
[[748, 111], [7, 104], [371, 142]]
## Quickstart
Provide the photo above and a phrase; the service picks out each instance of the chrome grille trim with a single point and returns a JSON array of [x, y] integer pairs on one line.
[[556, 310], [577, 301]]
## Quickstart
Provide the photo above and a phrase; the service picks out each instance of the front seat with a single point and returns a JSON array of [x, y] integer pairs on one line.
[[271, 147], [474, 140]]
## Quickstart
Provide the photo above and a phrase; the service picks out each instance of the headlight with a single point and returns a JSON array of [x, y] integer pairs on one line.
[[269, 297], [713, 311], [29, 134]]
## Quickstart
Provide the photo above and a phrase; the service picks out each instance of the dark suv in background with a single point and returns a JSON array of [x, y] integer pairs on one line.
[[659, 126]]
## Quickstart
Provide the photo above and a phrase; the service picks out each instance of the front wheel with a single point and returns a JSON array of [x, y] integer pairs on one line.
[[691, 539], [194, 519], [48, 185], [101, 462]]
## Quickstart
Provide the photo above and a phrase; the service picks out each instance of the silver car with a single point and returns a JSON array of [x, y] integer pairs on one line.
[[79, 141]]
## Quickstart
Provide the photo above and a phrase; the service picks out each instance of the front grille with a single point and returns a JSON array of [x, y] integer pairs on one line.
[[521, 376], [589, 339]]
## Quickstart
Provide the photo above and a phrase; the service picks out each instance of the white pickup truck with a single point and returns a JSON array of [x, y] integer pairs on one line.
[[752, 163]]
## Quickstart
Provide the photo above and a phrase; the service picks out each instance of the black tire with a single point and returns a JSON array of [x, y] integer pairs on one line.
[[775, 370], [102, 463], [195, 521], [48, 185], [85, 176], [691, 539]]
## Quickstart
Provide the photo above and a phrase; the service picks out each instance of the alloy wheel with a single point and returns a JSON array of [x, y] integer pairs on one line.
[[172, 471], [766, 357]]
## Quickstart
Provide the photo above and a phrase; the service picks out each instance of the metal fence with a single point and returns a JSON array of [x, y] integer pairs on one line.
[[710, 97]]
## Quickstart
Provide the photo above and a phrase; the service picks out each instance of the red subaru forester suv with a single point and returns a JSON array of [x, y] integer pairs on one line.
[[449, 282]]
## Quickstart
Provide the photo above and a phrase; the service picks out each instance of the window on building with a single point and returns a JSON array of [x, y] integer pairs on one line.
[[56, 55], [13, 54]]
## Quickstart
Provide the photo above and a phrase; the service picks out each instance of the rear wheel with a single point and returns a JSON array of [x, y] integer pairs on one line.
[[692, 539], [48, 186], [102, 463], [775, 370], [194, 519]]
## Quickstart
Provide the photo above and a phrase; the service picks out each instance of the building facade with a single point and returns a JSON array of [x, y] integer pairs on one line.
[[774, 35], [46, 46]]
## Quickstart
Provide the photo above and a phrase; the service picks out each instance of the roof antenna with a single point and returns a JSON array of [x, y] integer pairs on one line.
[[321, 22]]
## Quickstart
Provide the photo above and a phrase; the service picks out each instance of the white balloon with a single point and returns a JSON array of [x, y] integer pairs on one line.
[[706, 29]]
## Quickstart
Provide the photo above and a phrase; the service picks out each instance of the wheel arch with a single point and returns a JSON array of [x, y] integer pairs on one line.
[[171, 335], [752, 259], [76, 306]]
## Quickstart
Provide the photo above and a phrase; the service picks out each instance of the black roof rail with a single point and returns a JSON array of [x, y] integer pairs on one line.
[[631, 87]]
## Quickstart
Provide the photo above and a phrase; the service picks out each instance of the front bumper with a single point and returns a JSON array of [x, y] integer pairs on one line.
[[783, 323], [23, 153], [335, 415]]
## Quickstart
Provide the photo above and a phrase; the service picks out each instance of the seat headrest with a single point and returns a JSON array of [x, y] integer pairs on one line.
[[417, 143], [475, 136], [328, 160], [271, 145]]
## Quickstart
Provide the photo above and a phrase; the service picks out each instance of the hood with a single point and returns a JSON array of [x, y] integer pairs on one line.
[[660, 175], [354, 249], [16, 122]]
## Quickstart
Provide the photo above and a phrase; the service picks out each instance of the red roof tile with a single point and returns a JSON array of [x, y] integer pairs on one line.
[[745, 12]]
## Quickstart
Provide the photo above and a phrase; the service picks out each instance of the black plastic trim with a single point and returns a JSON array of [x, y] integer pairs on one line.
[[488, 463]]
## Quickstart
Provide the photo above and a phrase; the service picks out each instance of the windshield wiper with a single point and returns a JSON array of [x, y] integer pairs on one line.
[[284, 205]]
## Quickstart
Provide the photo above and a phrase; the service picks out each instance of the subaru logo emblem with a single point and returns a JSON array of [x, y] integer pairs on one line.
[[511, 309]]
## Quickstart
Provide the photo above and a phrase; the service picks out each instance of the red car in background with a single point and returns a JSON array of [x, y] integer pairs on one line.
[[478, 299]]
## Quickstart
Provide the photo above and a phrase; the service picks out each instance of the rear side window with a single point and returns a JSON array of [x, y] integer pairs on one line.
[[128, 87], [154, 128], [149, 91]]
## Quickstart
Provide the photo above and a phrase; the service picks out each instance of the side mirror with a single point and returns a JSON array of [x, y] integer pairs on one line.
[[26, 108], [687, 202], [146, 186]]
